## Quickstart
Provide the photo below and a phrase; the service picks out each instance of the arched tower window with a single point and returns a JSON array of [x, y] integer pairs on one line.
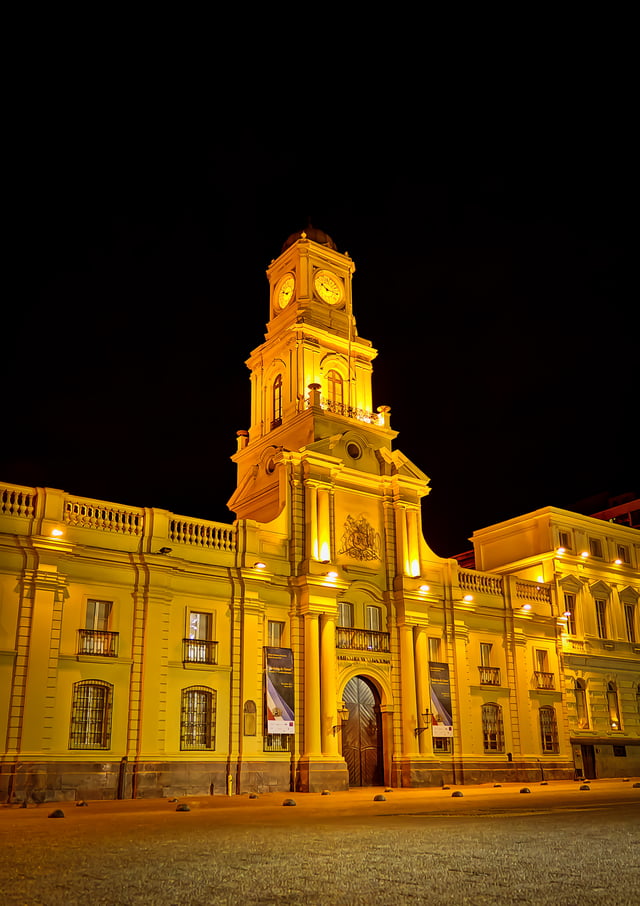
[[335, 390], [613, 707], [582, 714], [276, 402], [492, 728]]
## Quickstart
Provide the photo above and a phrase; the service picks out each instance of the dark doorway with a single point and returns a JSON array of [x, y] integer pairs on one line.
[[362, 733], [588, 762]]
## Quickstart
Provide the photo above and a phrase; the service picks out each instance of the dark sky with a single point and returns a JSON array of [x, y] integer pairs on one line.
[[499, 296]]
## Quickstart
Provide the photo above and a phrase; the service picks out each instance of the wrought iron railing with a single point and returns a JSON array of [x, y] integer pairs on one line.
[[489, 676], [544, 680], [98, 641], [199, 651], [361, 639]]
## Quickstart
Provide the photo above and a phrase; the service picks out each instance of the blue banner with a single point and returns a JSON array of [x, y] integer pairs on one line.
[[280, 707]]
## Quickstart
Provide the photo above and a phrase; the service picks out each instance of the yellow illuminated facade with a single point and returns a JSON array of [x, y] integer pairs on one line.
[[317, 642]]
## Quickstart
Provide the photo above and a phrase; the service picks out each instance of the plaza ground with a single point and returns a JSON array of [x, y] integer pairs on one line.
[[558, 844]]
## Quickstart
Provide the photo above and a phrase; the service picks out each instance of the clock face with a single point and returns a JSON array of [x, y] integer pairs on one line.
[[284, 290], [329, 287]]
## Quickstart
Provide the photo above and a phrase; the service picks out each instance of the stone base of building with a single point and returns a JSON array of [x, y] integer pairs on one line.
[[258, 776], [315, 774], [417, 771], [75, 780]]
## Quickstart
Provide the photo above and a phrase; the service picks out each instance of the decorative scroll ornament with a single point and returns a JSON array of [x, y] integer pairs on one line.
[[360, 540]]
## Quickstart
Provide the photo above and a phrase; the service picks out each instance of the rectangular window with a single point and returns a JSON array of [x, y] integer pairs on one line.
[[345, 614], [96, 638], [434, 651], [441, 744], [570, 613], [485, 654], [595, 547], [548, 730], [98, 615], [630, 621], [542, 660], [620, 751], [565, 540], [199, 647], [275, 634], [601, 619], [374, 618], [623, 553]]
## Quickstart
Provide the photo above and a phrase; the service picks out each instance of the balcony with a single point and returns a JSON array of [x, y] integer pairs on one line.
[[199, 651], [361, 639], [98, 642], [544, 680], [489, 676]]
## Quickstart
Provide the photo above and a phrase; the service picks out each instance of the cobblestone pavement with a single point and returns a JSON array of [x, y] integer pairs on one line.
[[557, 845]]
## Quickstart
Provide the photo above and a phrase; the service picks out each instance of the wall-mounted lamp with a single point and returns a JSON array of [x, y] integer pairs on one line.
[[56, 532], [165, 550], [332, 574], [526, 607], [259, 565], [423, 588], [343, 714], [426, 716]]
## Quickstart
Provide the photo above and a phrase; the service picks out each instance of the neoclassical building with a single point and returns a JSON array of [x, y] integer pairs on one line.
[[317, 642]]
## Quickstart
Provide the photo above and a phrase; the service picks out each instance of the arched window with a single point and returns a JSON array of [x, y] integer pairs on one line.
[[548, 730], [582, 714], [91, 715], [492, 728], [198, 718], [334, 390], [613, 707], [276, 407]]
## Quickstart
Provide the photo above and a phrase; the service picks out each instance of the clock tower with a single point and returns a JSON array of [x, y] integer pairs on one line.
[[311, 378]]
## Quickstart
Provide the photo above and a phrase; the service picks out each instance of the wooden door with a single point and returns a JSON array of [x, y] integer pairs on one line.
[[362, 733], [588, 762]]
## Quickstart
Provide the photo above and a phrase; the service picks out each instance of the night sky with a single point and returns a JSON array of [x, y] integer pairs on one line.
[[499, 298]]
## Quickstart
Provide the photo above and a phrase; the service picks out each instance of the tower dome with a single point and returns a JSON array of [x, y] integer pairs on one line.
[[312, 233]]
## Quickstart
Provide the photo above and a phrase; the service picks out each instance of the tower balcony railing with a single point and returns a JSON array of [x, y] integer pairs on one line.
[[199, 651], [98, 641], [489, 676], [544, 680], [361, 639]]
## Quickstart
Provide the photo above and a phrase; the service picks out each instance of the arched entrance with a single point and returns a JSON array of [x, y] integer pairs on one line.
[[362, 733]]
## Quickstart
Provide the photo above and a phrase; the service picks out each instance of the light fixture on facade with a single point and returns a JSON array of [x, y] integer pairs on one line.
[[332, 574], [526, 606], [56, 532], [259, 565], [618, 561], [561, 550], [418, 730], [343, 714], [584, 554], [468, 598], [423, 588]]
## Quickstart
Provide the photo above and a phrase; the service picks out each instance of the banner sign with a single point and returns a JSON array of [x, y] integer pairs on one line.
[[278, 672], [441, 717]]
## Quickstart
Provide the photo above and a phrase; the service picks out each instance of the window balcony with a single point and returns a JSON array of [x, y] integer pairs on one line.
[[98, 642], [544, 680], [489, 676], [199, 651], [361, 639]]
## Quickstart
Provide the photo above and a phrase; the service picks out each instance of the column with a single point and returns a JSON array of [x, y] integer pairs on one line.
[[408, 679], [329, 717], [422, 688], [312, 744]]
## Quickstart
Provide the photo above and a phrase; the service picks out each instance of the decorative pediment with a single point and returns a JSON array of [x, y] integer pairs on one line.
[[571, 585], [629, 595], [600, 589]]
